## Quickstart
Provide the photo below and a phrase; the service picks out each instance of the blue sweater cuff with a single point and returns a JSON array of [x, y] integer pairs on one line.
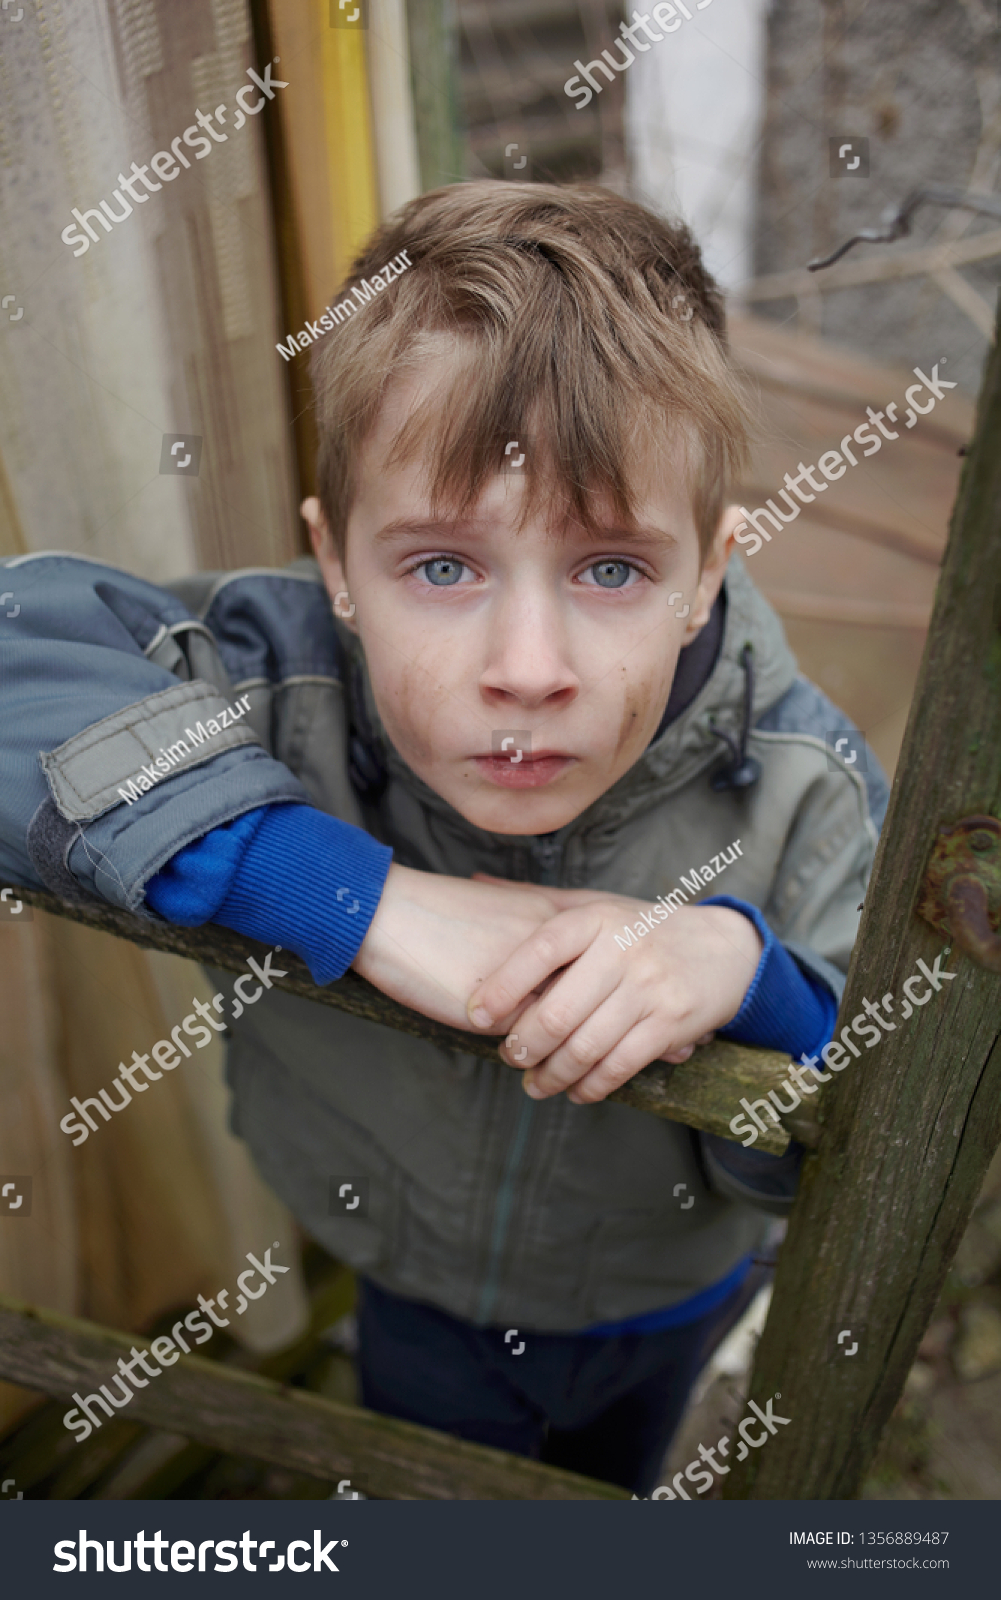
[[283, 874], [784, 1008]]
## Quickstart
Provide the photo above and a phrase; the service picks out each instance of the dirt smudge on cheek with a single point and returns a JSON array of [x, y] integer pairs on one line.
[[636, 715]]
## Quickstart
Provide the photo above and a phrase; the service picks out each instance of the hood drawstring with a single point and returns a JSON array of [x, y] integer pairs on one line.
[[740, 771]]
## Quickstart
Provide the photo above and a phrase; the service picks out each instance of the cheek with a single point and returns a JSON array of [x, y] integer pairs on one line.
[[643, 704], [411, 702]]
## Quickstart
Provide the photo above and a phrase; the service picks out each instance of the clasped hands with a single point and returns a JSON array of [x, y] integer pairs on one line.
[[580, 1013]]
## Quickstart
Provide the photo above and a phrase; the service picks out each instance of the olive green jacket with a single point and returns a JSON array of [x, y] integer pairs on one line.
[[472, 1197]]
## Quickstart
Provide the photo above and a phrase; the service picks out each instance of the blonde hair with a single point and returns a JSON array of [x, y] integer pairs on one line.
[[582, 323]]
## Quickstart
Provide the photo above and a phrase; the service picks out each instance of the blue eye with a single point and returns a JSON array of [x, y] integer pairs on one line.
[[442, 571], [611, 574]]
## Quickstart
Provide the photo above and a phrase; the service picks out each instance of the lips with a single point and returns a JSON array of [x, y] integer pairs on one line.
[[522, 769]]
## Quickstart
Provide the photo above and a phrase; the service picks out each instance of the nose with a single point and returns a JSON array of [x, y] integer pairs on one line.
[[528, 656]]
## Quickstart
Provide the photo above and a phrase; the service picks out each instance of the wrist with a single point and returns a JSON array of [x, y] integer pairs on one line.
[[381, 943], [738, 932]]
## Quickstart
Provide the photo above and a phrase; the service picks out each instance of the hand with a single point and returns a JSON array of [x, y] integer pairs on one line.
[[433, 939], [614, 1011]]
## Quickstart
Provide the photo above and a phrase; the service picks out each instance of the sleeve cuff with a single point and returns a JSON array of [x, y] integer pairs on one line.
[[310, 883], [284, 874], [194, 883]]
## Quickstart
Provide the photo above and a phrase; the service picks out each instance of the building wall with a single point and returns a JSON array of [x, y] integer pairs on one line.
[[921, 81]]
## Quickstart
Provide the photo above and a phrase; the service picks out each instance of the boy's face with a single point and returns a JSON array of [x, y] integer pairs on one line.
[[518, 671]]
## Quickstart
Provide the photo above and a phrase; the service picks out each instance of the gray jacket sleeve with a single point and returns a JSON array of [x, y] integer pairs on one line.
[[766, 1182], [813, 905], [119, 743]]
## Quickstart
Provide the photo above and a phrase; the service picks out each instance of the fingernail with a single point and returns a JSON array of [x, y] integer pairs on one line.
[[531, 1089], [481, 1018]]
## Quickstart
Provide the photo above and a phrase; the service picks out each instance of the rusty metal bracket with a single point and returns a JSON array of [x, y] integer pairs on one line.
[[962, 888]]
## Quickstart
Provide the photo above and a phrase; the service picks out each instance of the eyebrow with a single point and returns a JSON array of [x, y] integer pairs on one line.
[[430, 528], [444, 530]]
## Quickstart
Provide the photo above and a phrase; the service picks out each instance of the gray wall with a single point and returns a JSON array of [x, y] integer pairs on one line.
[[921, 80]]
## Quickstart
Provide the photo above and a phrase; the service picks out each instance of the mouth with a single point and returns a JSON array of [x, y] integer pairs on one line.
[[524, 769]]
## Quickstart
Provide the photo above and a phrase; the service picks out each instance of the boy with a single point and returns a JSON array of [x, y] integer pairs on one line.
[[543, 647]]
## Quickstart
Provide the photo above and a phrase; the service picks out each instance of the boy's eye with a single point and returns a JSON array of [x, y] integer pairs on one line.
[[442, 571], [611, 574]]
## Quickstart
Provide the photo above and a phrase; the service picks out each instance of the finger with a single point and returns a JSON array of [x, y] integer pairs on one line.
[[676, 1057], [630, 1055], [505, 1024], [554, 943], [568, 1006], [686, 1051], [591, 1042]]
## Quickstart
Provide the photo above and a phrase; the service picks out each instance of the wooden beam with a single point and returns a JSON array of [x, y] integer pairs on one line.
[[963, 295], [909, 1130], [876, 269], [858, 613], [908, 542], [247, 1415], [705, 1092]]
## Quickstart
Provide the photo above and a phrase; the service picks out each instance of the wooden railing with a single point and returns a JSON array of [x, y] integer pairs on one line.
[[704, 1092], [244, 1414], [251, 1415]]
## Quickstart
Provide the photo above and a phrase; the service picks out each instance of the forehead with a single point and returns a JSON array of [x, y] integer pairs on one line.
[[414, 437]]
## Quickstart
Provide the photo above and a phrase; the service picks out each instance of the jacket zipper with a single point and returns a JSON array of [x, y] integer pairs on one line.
[[547, 858], [502, 1209]]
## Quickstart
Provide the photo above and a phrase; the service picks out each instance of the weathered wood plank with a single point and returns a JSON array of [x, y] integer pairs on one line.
[[244, 1414], [888, 268], [434, 81], [909, 1131], [705, 1092]]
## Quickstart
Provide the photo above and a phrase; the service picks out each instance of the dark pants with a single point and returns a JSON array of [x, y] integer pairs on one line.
[[604, 1407]]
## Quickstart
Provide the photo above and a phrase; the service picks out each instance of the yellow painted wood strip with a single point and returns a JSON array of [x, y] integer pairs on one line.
[[351, 170]]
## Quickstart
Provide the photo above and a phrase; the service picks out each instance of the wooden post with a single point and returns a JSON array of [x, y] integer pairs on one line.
[[908, 1131], [705, 1092], [432, 31], [243, 1414]]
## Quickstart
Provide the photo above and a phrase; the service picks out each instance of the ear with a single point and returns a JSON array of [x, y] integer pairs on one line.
[[713, 570], [329, 561]]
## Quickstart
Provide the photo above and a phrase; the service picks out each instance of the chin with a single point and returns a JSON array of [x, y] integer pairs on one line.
[[505, 815]]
